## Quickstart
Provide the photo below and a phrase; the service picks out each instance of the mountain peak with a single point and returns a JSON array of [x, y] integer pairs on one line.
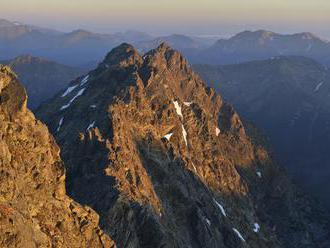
[[308, 36], [123, 55], [6, 23], [27, 58], [164, 46], [80, 32], [126, 55], [165, 54], [258, 34]]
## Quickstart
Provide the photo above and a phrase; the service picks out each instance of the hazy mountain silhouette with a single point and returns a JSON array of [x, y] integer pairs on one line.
[[247, 46]]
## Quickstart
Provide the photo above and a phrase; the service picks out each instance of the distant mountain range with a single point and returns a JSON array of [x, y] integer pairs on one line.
[[288, 97], [79, 47], [42, 78], [86, 49], [183, 43], [247, 46]]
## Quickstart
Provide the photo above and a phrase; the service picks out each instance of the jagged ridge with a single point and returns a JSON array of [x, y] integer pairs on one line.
[[165, 162]]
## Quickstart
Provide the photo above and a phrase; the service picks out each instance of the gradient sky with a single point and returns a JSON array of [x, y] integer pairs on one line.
[[173, 16]]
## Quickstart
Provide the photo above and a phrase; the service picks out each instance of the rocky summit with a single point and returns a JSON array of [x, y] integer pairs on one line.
[[166, 162], [34, 208]]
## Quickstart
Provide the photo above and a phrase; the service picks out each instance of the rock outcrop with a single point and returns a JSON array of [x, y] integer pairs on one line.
[[34, 208], [166, 163]]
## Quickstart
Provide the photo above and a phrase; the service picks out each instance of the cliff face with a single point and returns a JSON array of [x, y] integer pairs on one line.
[[34, 208], [166, 163]]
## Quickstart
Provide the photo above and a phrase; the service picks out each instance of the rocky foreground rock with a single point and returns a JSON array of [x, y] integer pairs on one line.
[[166, 163], [34, 208]]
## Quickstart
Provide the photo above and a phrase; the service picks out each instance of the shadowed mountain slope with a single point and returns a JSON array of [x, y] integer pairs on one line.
[[288, 97]]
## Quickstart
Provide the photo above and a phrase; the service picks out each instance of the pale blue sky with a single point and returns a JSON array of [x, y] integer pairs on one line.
[[173, 16]]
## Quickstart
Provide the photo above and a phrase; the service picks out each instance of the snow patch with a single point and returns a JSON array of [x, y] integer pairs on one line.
[[177, 108], [256, 227], [208, 221], [187, 103], [60, 124], [184, 133], [217, 131], [74, 98], [239, 234], [168, 136], [90, 126], [84, 80], [259, 174], [69, 90], [222, 209], [194, 167], [318, 86]]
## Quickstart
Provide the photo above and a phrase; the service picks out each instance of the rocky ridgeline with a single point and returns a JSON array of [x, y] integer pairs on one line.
[[166, 163], [34, 208]]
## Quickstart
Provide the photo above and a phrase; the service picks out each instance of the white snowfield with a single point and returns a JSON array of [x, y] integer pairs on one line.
[[259, 174], [187, 103], [74, 98], [177, 108], [318, 86], [256, 227], [194, 167], [168, 136], [69, 90], [90, 126], [222, 209], [184, 133], [84, 80], [208, 221], [217, 131], [239, 234], [60, 124]]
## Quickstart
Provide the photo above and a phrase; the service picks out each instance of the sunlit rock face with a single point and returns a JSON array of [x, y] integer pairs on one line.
[[166, 163], [34, 208]]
